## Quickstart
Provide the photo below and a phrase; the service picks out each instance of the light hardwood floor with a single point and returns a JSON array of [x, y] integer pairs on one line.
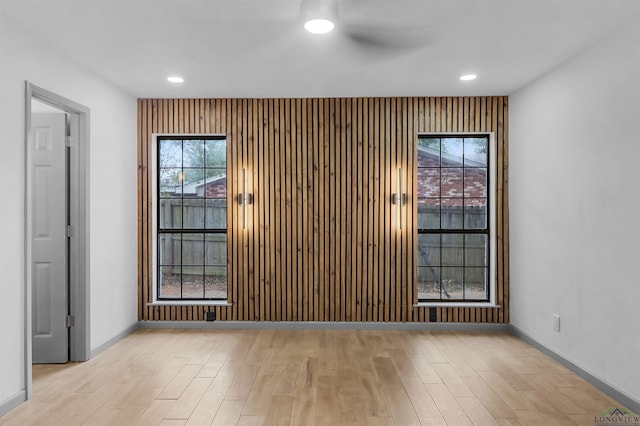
[[312, 377]]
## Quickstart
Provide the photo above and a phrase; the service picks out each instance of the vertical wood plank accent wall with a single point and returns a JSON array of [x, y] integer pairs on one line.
[[321, 242]]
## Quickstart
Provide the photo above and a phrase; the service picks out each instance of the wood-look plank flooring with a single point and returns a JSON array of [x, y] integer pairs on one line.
[[311, 377]]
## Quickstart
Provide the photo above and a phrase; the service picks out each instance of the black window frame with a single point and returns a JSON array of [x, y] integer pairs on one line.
[[159, 230], [487, 230]]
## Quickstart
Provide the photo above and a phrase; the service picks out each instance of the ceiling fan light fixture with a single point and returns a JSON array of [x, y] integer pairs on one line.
[[318, 26], [468, 77], [319, 16]]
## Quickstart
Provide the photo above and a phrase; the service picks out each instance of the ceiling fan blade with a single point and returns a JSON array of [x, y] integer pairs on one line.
[[390, 38]]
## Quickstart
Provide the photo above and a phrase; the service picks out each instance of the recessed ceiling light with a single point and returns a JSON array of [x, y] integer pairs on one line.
[[468, 77], [318, 26], [175, 79]]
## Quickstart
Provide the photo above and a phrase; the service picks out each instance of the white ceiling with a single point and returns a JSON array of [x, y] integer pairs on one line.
[[258, 48]]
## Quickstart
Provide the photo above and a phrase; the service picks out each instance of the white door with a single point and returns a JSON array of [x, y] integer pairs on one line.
[[50, 247]]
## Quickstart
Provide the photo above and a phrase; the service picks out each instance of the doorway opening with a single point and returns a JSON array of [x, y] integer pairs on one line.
[[57, 230]]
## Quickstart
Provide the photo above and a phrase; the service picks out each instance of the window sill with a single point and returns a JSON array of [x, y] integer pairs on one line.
[[456, 305], [190, 303]]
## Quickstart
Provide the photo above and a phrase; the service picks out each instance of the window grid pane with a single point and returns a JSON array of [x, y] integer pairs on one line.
[[453, 235], [192, 219]]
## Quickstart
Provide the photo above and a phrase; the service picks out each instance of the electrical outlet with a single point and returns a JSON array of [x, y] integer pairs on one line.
[[556, 322], [433, 315], [211, 316]]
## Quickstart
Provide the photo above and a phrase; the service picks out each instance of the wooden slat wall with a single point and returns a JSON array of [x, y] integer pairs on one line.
[[321, 242]]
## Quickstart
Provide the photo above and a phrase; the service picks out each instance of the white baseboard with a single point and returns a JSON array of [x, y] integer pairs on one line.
[[12, 402], [627, 400], [325, 325], [115, 339]]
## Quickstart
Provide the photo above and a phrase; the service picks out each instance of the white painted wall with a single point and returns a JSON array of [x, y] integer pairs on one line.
[[575, 210], [113, 206]]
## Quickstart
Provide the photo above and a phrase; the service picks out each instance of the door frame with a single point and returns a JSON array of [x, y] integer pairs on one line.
[[79, 278]]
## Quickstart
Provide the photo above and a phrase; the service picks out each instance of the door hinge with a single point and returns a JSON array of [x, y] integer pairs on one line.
[[69, 321], [69, 231], [68, 140]]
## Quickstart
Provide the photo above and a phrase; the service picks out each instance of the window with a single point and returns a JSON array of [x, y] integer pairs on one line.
[[191, 218], [454, 218]]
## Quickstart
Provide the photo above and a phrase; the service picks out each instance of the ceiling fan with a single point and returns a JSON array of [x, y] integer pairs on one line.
[[366, 30]]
